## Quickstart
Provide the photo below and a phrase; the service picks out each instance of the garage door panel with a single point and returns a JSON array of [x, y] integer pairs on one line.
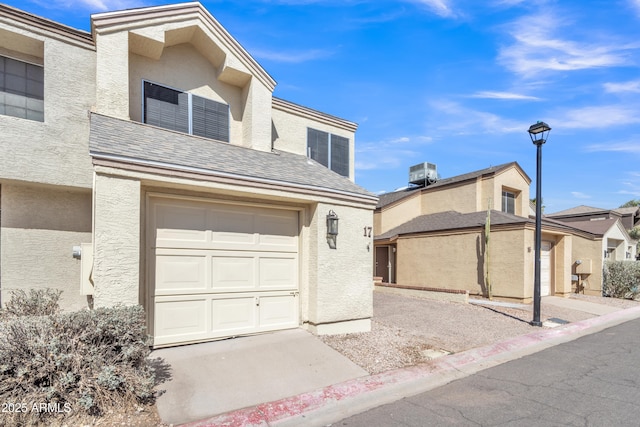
[[233, 227], [278, 272], [180, 224], [278, 311], [233, 315], [278, 231], [181, 273], [233, 273], [178, 320]]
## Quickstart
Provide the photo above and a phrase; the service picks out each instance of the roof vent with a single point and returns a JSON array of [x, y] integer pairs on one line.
[[423, 174]]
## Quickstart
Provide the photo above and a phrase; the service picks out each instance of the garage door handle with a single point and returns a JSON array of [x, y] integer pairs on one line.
[[258, 301]]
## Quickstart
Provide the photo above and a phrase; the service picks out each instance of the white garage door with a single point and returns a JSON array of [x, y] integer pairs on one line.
[[222, 270], [545, 268]]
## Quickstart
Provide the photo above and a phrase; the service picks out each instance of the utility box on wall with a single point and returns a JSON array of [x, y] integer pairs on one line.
[[86, 268], [584, 267]]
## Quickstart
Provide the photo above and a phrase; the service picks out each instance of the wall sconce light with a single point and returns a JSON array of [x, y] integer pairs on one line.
[[332, 229]]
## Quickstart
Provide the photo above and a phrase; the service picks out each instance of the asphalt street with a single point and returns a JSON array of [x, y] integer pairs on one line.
[[592, 381]]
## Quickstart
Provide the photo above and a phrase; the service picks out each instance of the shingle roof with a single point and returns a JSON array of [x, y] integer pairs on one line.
[[631, 210], [578, 210], [388, 198], [135, 142], [598, 227], [451, 220]]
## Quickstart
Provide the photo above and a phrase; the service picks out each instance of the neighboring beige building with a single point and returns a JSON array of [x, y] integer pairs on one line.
[[434, 237], [609, 241], [153, 149]]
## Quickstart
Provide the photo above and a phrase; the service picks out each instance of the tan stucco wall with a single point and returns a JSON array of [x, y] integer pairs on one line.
[[396, 214], [340, 280], [563, 265], [456, 261], [54, 151], [117, 241], [588, 249], [510, 180], [458, 197], [40, 226]]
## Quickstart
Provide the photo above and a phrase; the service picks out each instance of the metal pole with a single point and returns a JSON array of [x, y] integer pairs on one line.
[[536, 280]]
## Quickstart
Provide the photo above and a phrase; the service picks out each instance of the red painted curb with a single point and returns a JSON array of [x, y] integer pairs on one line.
[[493, 354]]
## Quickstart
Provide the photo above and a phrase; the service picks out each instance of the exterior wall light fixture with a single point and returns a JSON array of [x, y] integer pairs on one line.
[[332, 229]]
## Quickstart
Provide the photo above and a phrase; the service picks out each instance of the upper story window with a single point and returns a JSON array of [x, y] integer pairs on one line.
[[21, 89], [329, 150], [184, 112], [509, 202]]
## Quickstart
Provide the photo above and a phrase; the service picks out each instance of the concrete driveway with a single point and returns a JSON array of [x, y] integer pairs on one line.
[[221, 376]]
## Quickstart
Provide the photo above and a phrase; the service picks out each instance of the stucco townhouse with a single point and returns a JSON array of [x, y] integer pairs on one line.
[[611, 241], [148, 162], [434, 236]]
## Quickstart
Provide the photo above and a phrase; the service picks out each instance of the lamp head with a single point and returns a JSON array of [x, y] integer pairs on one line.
[[539, 133]]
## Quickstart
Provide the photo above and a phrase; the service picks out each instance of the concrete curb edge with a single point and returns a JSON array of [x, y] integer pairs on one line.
[[330, 404]]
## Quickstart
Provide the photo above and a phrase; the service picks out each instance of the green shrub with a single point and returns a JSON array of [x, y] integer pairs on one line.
[[621, 279], [81, 363]]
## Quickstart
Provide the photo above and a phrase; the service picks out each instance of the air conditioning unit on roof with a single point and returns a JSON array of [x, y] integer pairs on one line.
[[423, 174]]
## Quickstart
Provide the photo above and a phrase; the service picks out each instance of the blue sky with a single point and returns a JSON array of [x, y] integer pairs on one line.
[[452, 82]]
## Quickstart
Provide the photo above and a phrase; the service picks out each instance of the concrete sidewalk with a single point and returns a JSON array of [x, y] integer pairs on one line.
[[584, 306], [329, 404], [222, 376]]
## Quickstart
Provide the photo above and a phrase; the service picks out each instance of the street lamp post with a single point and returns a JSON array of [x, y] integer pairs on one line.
[[538, 133]]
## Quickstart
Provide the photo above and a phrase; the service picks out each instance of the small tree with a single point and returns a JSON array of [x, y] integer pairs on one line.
[[631, 203]]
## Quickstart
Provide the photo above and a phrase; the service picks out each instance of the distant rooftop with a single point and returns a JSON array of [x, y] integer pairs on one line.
[[389, 198]]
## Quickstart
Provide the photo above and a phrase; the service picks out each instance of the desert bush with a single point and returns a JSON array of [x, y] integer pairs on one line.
[[82, 363], [621, 279], [38, 302]]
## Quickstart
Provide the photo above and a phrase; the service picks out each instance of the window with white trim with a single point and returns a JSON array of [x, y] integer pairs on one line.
[[185, 112], [329, 150], [21, 89], [509, 202]]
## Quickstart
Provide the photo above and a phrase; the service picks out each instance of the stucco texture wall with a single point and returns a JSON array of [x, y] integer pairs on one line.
[[341, 279], [589, 251], [290, 134], [397, 214], [116, 266], [511, 180], [459, 197], [456, 261], [54, 151], [39, 227]]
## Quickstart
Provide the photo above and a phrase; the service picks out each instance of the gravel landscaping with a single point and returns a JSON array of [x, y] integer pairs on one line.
[[404, 328]]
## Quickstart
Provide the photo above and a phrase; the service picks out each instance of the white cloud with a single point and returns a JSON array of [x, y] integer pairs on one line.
[[93, 6], [291, 57], [579, 195], [463, 120], [625, 87], [536, 49], [599, 117], [631, 147], [503, 95], [439, 7], [388, 154]]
